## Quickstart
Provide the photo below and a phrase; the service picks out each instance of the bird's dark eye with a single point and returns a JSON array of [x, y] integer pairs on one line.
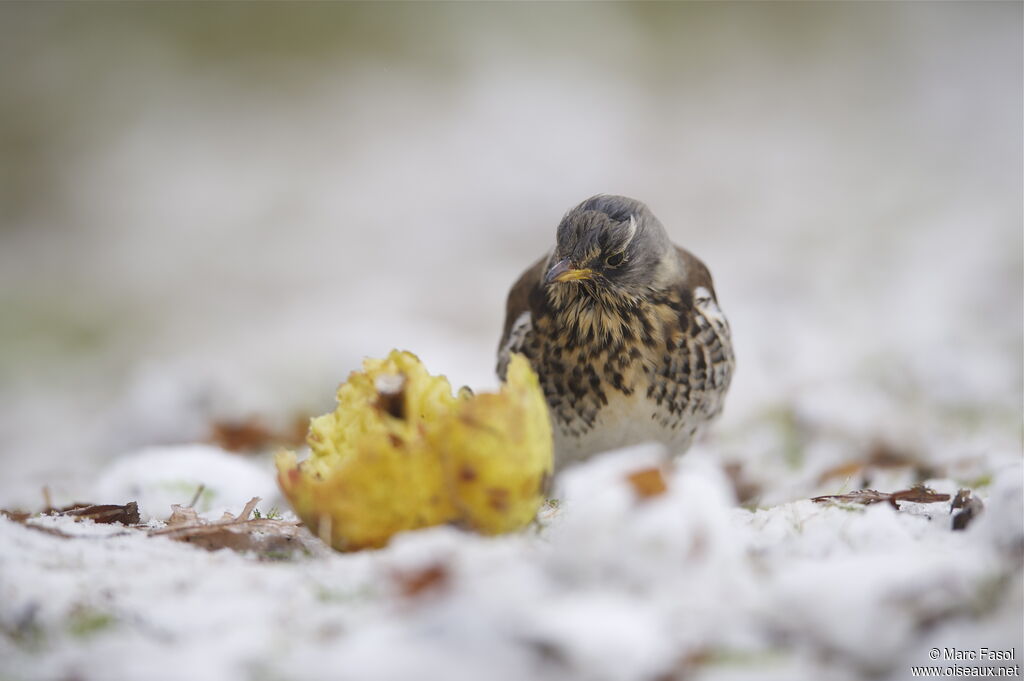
[[614, 260]]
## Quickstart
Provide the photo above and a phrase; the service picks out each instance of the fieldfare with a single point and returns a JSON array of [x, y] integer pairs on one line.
[[623, 329]]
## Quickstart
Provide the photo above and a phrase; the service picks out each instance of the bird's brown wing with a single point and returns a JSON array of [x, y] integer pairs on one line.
[[709, 341], [697, 273], [519, 301]]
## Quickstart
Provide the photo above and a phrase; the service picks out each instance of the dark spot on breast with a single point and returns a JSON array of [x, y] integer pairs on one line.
[[647, 327], [576, 387]]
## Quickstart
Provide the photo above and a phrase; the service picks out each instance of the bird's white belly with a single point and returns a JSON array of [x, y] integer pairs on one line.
[[625, 420]]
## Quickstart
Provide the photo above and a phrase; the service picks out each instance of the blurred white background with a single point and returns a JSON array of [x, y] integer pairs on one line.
[[214, 211]]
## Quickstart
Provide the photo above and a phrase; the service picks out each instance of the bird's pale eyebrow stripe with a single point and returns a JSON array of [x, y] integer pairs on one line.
[[621, 246]]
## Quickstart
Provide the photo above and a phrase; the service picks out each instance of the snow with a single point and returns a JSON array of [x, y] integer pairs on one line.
[[156, 477], [609, 586], [233, 235]]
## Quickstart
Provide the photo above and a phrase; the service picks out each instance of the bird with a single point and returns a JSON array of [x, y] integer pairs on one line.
[[624, 331]]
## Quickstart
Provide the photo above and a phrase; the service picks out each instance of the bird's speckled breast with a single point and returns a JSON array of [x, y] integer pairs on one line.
[[618, 372]]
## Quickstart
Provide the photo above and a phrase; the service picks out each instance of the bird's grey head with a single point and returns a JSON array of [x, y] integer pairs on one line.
[[609, 243]]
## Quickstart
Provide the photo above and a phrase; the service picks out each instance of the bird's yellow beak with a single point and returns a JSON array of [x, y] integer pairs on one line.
[[563, 271]]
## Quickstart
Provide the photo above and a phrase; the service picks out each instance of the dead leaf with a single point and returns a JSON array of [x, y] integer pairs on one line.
[[647, 483], [861, 496], [746, 490], [128, 514], [880, 454], [968, 507], [918, 494], [886, 455], [417, 583], [16, 516], [842, 471], [253, 434], [236, 436], [22, 518], [263, 535], [182, 516]]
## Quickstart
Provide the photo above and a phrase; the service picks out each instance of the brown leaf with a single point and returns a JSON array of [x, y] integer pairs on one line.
[[647, 483], [843, 471], [745, 489], [417, 583], [263, 535], [253, 434], [128, 514], [885, 455], [16, 516], [967, 506], [917, 494], [861, 496], [183, 516], [880, 455]]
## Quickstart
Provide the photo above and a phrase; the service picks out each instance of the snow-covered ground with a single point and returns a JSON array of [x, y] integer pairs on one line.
[[609, 585], [208, 219]]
